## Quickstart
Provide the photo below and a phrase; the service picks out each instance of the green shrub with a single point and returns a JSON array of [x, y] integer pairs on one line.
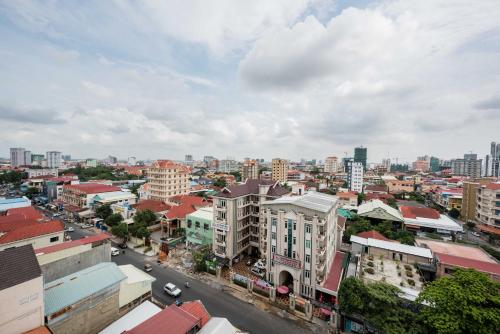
[[370, 264], [411, 282], [409, 274], [407, 267], [370, 271]]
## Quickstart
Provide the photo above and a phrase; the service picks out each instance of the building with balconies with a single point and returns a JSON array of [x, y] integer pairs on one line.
[[238, 225], [488, 204], [166, 179], [303, 236]]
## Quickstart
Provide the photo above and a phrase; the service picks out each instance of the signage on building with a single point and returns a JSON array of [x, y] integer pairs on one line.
[[294, 263], [220, 226]]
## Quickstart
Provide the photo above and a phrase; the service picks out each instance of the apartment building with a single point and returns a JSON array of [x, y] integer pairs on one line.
[[166, 179], [250, 170], [469, 166], [488, 204], [331, 165], [303, 236], [469, 198], [400, 186], [53, 159], [82, 195], [355, 176], [279, 170], [17, 156], [238, 225]]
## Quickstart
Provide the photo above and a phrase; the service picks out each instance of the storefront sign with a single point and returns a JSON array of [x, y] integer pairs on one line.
[[294, 263], [220, 226]]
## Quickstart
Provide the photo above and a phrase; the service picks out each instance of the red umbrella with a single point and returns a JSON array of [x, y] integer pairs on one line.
[[325, 311], [283, 289]]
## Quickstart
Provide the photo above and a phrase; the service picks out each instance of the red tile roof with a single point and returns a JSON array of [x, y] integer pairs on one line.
[[335, 273], [151, 204], [169, 164], [488, 229], [74, 243], [171, 320], [462, 262], [373, 235], [32, 231], [347, 194], [382, 197], [28, 212], [39, 330], [197, 310], [413, 212], [179, 211], [493, 186], [376, 187], [92, 188], [188, 199]]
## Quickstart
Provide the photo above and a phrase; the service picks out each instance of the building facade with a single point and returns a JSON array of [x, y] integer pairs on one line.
[[53, 159], [360, 155], [250, 170], [331, 165], [238, 223], [355, 176], [469, 166], [303, 236], [166, 179], [17, 156], [82, 195], [488, 204], [279, 170], [199, 231]]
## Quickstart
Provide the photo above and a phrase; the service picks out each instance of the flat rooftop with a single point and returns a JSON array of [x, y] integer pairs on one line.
[[449, 248]]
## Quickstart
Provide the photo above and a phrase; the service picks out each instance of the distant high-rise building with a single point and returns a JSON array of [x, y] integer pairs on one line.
[[434, 164], [355, 176], [279, 170], [131, 161], [387, 164], [331, 165], [360, 155], [250, 170], [228, 166], [17, 156], [468, 166], [345, 163], [37, 159], [188, 158], [66, 157], [492, 161], [27, 158], [53, 159]]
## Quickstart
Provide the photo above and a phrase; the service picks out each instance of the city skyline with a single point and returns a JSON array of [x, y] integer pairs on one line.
[[396, 77]]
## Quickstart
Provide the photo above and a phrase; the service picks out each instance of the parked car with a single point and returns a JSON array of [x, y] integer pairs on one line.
[[258, 272], [172, 290], [115, 251], [476, 234], [148, 267], [70, 229], [86, 226], [260, 264]]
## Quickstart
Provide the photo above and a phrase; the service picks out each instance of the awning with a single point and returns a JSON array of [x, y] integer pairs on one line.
[[325, 311], [283, 290], [86, 214], [488, 229]]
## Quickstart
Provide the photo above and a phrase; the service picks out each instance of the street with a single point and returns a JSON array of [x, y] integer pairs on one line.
[[219, 304]]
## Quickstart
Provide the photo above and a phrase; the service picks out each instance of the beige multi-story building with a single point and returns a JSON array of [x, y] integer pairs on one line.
[[250, 170], [331, 165], [469, 198], [488, 204], [279, 170], [81, 195], [238, 225], [166, 179], [303, 234]]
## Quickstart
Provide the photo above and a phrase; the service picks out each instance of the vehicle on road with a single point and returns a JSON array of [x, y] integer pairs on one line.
[[55, 215], [178, 302], [86, 226], [148, 267], [172, 290], [70, 229], [476, 234], [115, 251], [258, 272]]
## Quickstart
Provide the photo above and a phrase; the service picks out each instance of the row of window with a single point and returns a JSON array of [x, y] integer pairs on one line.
[[197, 225]]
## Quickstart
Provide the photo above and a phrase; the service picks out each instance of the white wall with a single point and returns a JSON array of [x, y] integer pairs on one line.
[[38, 242]]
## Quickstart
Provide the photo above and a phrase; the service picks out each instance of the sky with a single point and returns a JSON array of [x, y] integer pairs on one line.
[[262, 79]]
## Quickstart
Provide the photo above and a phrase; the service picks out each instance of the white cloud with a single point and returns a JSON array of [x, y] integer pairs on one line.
[[97, 90]]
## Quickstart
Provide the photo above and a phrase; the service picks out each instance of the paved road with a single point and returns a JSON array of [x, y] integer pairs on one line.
[[219, 304]]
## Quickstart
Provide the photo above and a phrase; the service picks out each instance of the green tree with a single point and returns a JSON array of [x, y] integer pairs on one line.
[[113, 219], [237, 176], [200, 257], [104, 211], [145, 217], [471, 225], [405, 237], [120, 230], [134, 189], [142, 232], [361, 198], [392, 203], [220, 182], [31, 192], [12, 177], [454, 213], [466, 302]]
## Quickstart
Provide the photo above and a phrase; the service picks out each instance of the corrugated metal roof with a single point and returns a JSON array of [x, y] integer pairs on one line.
[[393, 246], [311, 200], [72, 288]]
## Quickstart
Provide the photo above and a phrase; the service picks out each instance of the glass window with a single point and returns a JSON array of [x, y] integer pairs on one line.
[[205, 227], [308, 228], [308, 258], [294, 226], [285, 252], [190, 223], [54, 239], [308, 273], [286, 225], [273, 235], [197, 224], [273, 221], [285, 238], [273, 249], [294, 240], [293, 254], [308, 243]]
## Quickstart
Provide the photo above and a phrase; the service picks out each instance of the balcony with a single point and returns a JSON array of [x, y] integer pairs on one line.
[[320, 255], [321, 241]]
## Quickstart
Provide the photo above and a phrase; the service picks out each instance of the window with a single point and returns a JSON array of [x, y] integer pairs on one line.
[[190, 223], [308, 228], [285, 252], [294, 226], [205, 227], [307, 273], [54, 239], [273, 235], [285, 239], [286, 225], [308, 258], [273, 221], [308, 243], [197, 224], [293, 254], [273, 249], [294, 240]]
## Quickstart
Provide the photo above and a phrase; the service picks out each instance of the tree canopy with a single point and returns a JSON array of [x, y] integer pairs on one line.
[[104, 211], [465, 302], [120, 230], [11, 177], [145, 217], [454, 213], [113, 219]]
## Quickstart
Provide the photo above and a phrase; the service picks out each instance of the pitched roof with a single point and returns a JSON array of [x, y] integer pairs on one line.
[[335, 273], [31, 230], [197, 310], [151, 204], [133, 318], [92, 188], [18, 265], [311, 200], [73, 243], [39, 330], [251, 186], [394, 246], [377, 206], [188, 199], [70, 289], [174, 318], [493, 186], [169, 164], [462, 262], [376, 187], [413, 212], [373, 235], [28, 212], [179, 211], [382, 197]]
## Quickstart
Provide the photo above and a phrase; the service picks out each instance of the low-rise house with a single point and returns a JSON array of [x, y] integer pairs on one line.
[[199, 231], [133, 318], [379, 211], [21, 291], [383, 197], [181, 206], [428, 220], [87, 300], [400, 186], [348, 198], [113, 197], [71, 256], [375, 189], [82, 195], [448, 198], [136, 288], [219, 326]]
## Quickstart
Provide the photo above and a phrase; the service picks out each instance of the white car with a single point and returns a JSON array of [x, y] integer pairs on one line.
[[172, 290], [70, 229], [476, 234], [260, 264], [115, 251]]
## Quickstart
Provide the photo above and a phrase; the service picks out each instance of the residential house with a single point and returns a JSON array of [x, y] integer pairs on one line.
[[136, 288], [82, 195], [428, 220], [181, 206], [400, 186], [199, 231], [21, 291], [379, 211]]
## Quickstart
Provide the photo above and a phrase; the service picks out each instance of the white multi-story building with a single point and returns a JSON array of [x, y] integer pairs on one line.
[[166, 179], [131, 161], [331, 165], [53, 159], [238, 222], [250, 170], [303, 236], [17, 156], [228, 166], [355, 176]]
